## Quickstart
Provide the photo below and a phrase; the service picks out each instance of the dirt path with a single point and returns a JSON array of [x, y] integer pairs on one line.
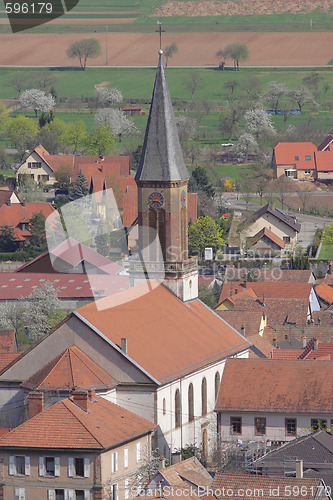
[[195, 49]]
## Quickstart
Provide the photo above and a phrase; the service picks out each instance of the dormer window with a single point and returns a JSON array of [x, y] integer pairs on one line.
[[296, 158], [308, 157]]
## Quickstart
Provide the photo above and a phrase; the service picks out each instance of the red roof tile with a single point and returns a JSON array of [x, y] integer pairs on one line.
[[189, 470], [286, 353], [325, 292], [285, 153], [18, 213], [324, 161], [195, 335], [278, 386], [72, 368], [7, 358], [65, 425], [269, 234], [276, 289], [7, 340]]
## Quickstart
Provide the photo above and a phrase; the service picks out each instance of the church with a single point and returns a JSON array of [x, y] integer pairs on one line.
[[155, 348]]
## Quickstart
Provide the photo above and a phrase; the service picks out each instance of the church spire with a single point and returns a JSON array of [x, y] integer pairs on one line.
[[162, 157]]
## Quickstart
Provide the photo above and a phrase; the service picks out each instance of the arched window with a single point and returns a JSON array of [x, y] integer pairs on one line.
[[177, 408], [164, 406], [217, 384], [190, 403], [204, 396]]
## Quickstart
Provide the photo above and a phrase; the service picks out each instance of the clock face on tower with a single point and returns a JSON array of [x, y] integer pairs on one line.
[[183, 199], [155, 200]]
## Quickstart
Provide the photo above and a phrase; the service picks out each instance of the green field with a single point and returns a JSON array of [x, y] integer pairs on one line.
[[326, 252]]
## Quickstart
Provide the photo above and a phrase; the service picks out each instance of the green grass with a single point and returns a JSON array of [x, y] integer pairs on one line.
[[326, 252], [8, 172], [232, 171]]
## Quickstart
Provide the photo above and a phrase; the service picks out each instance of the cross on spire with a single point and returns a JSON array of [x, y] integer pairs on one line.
[[160, 31]]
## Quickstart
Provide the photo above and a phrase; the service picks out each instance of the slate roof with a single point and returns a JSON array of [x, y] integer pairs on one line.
[[269, 234], [291, 343], [65, 425], [182, 336], [162, 156], [325, 145], [313, 449], [283, 217], [280, 386], [14, 286], [72, 368], [285, 153], [238, 484]]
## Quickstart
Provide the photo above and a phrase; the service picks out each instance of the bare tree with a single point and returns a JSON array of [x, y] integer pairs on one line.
[[222, 55], [193, 82], [283, 189], [301, 96], [232, 84], [169, 51], [304, 196], [276, 91]]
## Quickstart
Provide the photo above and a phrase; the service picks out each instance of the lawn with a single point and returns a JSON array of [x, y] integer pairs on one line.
[[326, 252]]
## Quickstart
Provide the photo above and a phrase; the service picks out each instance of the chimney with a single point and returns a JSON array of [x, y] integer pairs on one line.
[[315, 344], [304, 342], [270, 229], [23, 202], [245, 285], [124, 345], [274, 342], [299, 469], [230, 293], [162, 462], [36, 403], [80, 398], [243, 330], [330, 267], [236, 291], [9, 203], [91, 394]]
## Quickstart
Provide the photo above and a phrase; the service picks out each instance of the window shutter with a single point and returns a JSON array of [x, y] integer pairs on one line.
[[19, 493], [27, 466], [116, 464], [125, 458], [86, 495], [70, 467], [11, 466], [42, 468], [69, 494], [126, 489], [138, 452], [115, 492], [57, 466], [86, 467], [51, 495]]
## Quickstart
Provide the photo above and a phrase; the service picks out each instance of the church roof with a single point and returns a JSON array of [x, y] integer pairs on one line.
[[162, 157]]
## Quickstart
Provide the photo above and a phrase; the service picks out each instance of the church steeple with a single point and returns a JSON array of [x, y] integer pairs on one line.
[[162, 180], [162, 156]]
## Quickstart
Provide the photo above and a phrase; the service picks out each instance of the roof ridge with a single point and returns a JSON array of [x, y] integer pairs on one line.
[[83, 425], [70, 364], [321, 444]]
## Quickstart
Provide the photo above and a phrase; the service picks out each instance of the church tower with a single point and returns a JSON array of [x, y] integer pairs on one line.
[[162, 179]]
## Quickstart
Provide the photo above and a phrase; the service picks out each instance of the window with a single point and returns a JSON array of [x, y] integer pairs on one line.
[[125, 458], [19, 465], [164, 406], [19, 493], [114, 493], [138, 452], [296, 158], [114, 462], [60, 494], [259, 426], [318, 424], [190, 403], [68, 495], [177, 408], [79, 495], [236, 425], [34, 164], [286, 239], [308, 171], [204, 396], [79, 467], [291, 426], [49, 466], [308, 157], [326, 172], [217, 384]]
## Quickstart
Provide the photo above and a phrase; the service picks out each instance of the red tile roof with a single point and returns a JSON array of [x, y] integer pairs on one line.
[[190, 333], [7, 358], [324, 351], [287, 353], [274, 274], [324, 161], [65, 425], [285, 153], [277, 386], [72, 368], [276, 289], [189, 470], [228, 485], [269, 234], [325, 293], [13, 286], [7, 340], [17, 213]]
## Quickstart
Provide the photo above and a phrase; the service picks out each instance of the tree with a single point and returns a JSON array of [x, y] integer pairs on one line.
[[246, 145], [232, 84], [276, 91], [22, 133], [283, 188], [304, 195], [222, 55], [259, 123], [206, 294], [193, 82], [312, 81], [36, 100], [237, 52], [187, 128], [19, 81], [108, 96], [327, 237], [204, 233], [199, 181], [7, 239], [45, 80], [74, 135], [80, 186], [37, 241], [117, 120], [83, 50], [252, 86], [102, 238], [100, 141], [301, 96], [63, 176], [261, 176], [29, 190], [51, 135], [169, 51]]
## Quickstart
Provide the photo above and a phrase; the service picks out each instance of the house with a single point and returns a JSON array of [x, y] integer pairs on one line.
[[269, 226], [324, 294], [324, 166], [314, 349], [313, 452], [83, 447], [254, 486], [18, 215], [265, 242], [8, 347], [275, 400], [326, 144], [295, 159], [269, 274], [7, 196]]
